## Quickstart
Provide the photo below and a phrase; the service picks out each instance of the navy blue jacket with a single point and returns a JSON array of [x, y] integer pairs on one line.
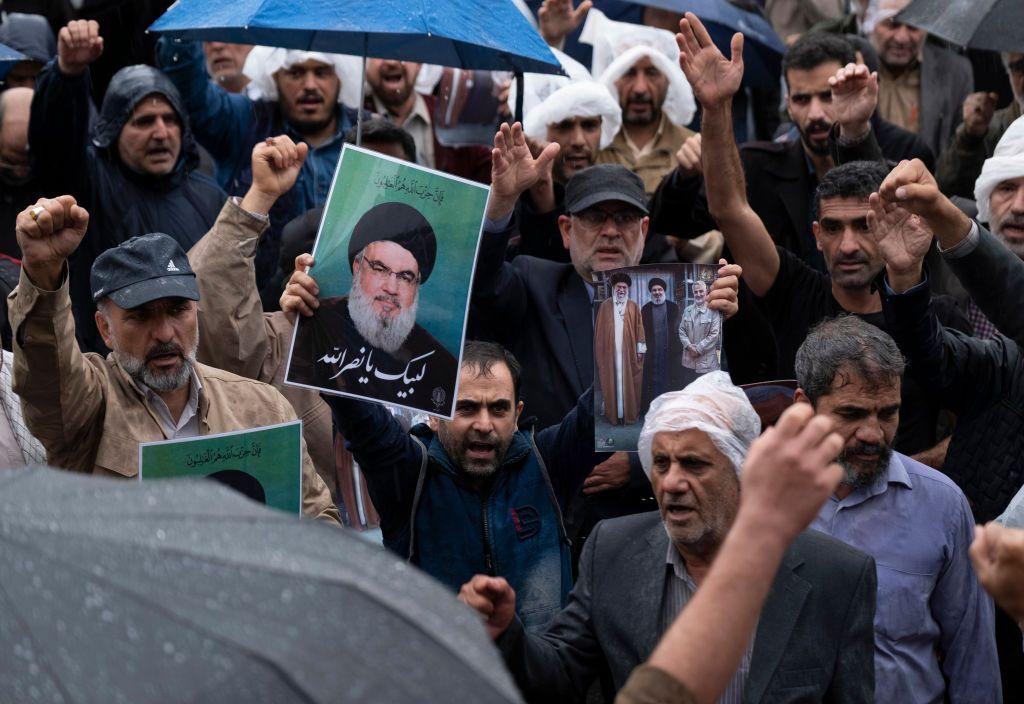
[[512, 527]]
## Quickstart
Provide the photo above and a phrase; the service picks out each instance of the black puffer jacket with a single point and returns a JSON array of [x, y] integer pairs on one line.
[[122, 203], [981, 381]]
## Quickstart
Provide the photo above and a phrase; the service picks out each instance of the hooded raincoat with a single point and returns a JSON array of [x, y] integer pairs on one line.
[[121, 202]]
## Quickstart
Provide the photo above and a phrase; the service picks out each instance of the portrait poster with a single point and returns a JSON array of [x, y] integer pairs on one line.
[[264, 463], [393, 260], [653, 333]]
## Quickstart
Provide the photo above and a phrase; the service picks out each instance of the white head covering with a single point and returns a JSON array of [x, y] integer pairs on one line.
[[1005, 163], [712, 404], [619, 45], [879, 11], [264, 61], [583, 99], [538, 86]]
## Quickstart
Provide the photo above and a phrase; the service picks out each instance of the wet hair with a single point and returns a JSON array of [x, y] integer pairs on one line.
[[379, 130], [844, 347], [854, 179], [816, 48], [482, 356]]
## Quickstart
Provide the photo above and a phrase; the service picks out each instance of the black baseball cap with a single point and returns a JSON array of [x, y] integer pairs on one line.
[[141, 270], [604, 182]]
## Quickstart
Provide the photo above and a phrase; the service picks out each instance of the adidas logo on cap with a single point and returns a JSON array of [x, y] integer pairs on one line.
[[171, 267]]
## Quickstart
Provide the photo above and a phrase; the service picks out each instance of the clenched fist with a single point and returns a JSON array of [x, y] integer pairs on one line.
[[78, 45], [276, 162], [48, 233]]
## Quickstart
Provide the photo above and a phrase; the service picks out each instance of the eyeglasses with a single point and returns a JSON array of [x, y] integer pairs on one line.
[[405, 279], [594, 218], [1016, 67]]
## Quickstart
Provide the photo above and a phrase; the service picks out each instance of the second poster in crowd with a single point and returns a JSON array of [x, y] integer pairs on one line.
[[653, 333], [394, 261]]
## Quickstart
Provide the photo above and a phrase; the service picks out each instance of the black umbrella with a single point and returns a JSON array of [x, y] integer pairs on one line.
[[184, 591], [996, 25]]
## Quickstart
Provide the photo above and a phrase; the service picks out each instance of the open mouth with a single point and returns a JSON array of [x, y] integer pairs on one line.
[[480, 449], [393, 80], [678, 512]]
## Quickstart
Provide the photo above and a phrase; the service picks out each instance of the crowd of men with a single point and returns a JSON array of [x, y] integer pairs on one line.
[[863, 541]]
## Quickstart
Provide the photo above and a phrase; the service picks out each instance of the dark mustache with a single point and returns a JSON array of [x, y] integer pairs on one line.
[[163, 348]]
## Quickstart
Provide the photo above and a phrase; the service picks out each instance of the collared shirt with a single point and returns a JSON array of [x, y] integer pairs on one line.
[[418, 124], [899, 97], [639, 152], [187, 426], [679, 589], [917, 525]]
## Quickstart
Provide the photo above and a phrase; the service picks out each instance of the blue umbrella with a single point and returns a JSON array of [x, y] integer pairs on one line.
[[478, 34], [762, 50], [9, 57]]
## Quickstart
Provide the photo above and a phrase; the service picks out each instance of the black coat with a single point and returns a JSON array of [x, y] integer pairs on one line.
[[674, 360], [121, 203], [814, 640]]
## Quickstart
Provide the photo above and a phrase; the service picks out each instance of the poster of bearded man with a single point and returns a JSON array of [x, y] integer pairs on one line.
[[653, 333], [393, 260]]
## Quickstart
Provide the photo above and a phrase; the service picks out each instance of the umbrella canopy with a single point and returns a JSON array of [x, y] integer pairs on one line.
[[995, 25], [762, 50], [185, 591], [9, 57], [481, 34]]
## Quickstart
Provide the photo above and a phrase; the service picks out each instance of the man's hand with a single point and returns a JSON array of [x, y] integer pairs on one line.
[[903, 240], [300, 293], [493, 598], [48, 233], [854, 99], [276, 162], [789, 473], [998, 556], [556, 19], [714, 78], [78, 44], [613, 473], [691, 349], [724, 295], [912, 186], [978, 111], [688, 157], [514, 169]]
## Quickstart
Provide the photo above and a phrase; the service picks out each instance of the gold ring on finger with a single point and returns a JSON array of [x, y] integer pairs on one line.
[[36, 212]]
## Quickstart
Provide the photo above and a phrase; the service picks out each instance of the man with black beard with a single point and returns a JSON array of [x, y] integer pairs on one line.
[[664, 350], [368, 343], [912, 519]]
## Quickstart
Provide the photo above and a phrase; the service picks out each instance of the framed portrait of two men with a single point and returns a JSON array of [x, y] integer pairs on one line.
[[393, 260], [653, 333]]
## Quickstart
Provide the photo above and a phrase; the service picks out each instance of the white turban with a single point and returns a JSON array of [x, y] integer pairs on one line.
[[583, 99], [1006, 162], [619, 45], [879, 11], [711, 404], [264, 61], [538, 86]]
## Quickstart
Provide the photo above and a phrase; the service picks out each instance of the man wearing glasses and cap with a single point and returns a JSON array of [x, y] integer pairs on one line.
[[91, 412], [391, 252]]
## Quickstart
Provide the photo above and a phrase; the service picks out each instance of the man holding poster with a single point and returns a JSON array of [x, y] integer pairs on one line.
[[373, 334]]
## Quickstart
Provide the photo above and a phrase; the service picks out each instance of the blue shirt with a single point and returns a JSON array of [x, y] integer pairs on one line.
[[917, 525]]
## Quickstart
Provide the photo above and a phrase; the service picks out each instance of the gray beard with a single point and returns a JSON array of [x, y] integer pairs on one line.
[[656, 302], [383, 332], [158, 381]]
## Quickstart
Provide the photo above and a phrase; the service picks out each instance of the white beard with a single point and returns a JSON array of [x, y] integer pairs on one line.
[[162, 381], [381, 331], [658, 300]]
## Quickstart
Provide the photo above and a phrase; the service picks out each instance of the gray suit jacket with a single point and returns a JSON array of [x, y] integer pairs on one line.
[[814, 641], [946, 80]]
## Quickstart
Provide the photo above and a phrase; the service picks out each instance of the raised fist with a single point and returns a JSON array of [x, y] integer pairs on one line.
[[48, 233], [276, 162], [78, 45]]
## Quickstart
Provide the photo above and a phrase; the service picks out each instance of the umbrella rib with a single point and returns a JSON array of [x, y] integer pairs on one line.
[[41, 654]]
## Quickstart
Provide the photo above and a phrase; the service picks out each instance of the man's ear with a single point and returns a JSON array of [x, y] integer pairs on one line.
[[103, 325], [565, 227], [816, 231], [432, 423], [800, 397], [519, 411], [645, 225]]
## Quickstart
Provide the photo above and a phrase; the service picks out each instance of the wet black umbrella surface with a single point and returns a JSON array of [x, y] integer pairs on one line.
[[184, 591], [996, 25]]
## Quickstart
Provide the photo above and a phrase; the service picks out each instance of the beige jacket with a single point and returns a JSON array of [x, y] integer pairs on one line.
[[656, 163], [89, 414], [237, 336]]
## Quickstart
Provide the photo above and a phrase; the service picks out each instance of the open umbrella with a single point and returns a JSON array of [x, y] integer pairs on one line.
[[762, 50], [9, 57], [995, 25], [184, 591], [477, 34]]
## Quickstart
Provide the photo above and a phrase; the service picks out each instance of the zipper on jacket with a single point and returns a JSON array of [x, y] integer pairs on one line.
[[488, 557]]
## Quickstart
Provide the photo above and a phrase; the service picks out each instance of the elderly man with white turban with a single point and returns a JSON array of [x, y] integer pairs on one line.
[[814, 640], [302, 94]]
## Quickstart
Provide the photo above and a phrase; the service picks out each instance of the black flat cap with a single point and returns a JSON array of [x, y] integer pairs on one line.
[[401, 224], [141, 270], [656, 282], [604, 182], [621, 278]]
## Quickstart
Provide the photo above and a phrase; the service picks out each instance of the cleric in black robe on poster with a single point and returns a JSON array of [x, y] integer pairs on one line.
[[368, 342]]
